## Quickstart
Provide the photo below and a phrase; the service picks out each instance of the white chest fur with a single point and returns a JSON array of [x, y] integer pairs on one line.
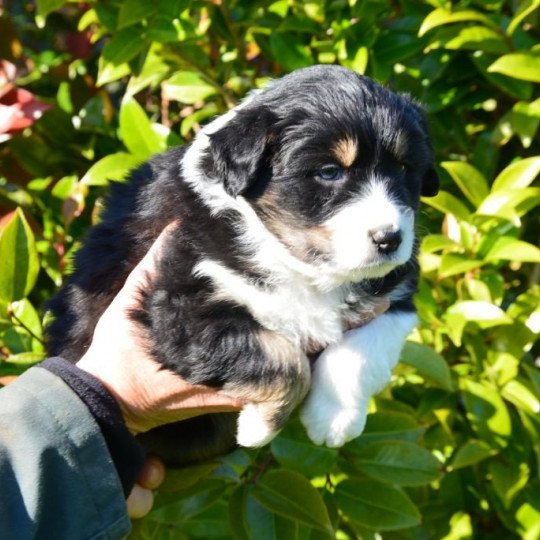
[[290, 307]]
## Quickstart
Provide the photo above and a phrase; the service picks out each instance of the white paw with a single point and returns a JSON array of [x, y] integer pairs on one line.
[[333, 424], [253, 429]]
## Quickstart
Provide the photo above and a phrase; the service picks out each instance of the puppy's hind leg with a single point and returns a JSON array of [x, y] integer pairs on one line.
[[283, 379]]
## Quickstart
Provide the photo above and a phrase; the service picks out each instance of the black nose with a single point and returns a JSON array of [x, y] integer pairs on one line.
[[385, 240]]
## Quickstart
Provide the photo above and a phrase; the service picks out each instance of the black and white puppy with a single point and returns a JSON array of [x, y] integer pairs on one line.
[[297, 215]]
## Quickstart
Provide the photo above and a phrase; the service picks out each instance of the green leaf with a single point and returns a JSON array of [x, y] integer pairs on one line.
[[26, 316], [517, 393], [193, 502], [294, 450], [386, 426], [376, 505], [249, 520], [108, 72], [44, 7], [398, 462], [476, 38], [123, 46], [290, 51], [187, 87], [524, 10], [20, 262], [470, 453], [133, 11], [186, 477], [299, 501], [519, 174], [438, 242], [484, 314], [429, 364], [136, 131], [508, 478], [509, 249], [508, 203], [441, 16], [470, 180], [111, 167], [453, 264], [523, 65], [448, 204], [487, 413]]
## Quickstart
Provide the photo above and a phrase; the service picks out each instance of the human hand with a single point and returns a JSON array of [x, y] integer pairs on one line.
[[148, 394], [141, 498]]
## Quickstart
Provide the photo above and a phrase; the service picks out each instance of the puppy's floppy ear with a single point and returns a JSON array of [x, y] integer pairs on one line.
[[430, 183], [238, 149]]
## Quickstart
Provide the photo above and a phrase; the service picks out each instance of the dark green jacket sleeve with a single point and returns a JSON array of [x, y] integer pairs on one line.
[[57, 479]]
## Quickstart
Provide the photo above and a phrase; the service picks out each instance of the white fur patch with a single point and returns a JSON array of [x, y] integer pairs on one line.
[[292, 307], [347, 374], [354, 253], [253, 429]]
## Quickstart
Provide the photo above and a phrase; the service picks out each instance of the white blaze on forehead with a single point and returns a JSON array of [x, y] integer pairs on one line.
[[353, 248]]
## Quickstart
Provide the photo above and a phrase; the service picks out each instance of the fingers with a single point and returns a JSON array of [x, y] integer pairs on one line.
[[141, 498], [139, 502], [152, 473]]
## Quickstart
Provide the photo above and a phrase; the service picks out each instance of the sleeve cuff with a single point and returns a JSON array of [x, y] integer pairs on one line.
[[127, 454]]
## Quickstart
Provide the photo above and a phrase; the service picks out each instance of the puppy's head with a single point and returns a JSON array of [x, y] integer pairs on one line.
[[333, 164]]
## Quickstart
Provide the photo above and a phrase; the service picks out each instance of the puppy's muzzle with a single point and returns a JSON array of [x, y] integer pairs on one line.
[[386, 241]]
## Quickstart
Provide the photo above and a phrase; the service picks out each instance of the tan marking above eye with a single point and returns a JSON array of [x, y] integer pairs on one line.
[[345, 150]]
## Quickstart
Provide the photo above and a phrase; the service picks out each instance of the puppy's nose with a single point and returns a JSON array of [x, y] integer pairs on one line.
[[387, 241]]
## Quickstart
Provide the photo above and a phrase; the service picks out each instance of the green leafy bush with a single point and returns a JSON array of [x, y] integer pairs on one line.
[[452, 447]]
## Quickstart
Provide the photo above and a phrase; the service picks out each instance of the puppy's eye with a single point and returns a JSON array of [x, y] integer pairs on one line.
[[403, 167], [330, 172]]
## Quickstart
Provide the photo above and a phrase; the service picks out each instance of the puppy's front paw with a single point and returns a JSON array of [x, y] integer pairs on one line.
[[333, 424]]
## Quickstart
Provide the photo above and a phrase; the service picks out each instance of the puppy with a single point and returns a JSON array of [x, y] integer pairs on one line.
[[297, 213]]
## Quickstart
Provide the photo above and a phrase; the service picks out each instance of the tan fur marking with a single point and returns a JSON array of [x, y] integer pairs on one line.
[[345, 151], [278, 397], [305, 243]]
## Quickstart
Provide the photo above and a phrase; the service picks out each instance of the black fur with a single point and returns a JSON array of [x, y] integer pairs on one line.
[[274, 145]]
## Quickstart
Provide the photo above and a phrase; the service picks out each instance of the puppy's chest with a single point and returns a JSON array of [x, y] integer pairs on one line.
[[307, 316]]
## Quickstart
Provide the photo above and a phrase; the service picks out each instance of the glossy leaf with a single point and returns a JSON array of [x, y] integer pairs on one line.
[[510, 249], [398, 462], [487, 413], [136, 131], [293, 449], [522, 65], [187, 87], [519, 174], [20, 262], [441, 16], [470, 453], [376, 505], [300, 501], [470, 180], [111, 167], [428, 363], [449, 204]]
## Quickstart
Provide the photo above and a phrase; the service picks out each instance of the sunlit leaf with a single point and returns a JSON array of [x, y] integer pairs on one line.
[[519, 174], [136, 131], [487, 413], [522, 65], [470, 180], [20, 262], [441, 16], [429, 364]]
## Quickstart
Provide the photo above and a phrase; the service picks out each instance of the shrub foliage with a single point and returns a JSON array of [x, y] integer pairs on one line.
[[452, 446]]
